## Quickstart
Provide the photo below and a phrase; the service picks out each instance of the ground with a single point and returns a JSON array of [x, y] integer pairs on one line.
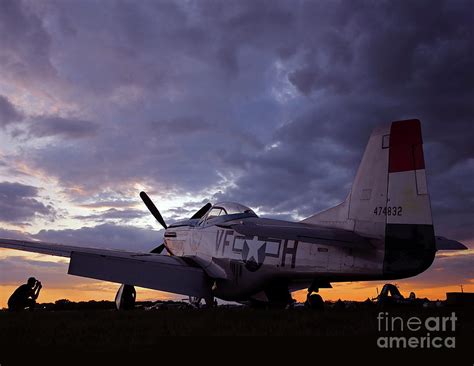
[[110, 330]]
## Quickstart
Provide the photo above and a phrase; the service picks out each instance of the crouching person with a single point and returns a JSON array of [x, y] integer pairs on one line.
[[25, 296]]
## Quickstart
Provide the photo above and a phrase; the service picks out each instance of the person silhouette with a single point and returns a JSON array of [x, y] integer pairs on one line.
[[25, 296]]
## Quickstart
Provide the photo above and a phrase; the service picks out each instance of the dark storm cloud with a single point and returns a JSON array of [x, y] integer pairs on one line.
[[25, 44], [19, 202], [114, 214], [170, 153], [453, 200], [14, 234], [109, 203], [61, 127], [274, 99], [366, 64], [284, 179], [8, 112], [108, 236]]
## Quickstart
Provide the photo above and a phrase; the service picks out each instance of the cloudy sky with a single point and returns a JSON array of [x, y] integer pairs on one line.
[[268, 103]]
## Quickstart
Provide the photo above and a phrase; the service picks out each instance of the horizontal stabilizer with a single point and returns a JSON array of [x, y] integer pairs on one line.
[[443, 243]]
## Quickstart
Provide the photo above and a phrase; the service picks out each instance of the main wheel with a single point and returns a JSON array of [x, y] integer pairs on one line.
[[125, 298], [315, 302]]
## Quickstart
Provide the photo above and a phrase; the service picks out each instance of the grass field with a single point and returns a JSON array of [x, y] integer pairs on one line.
[[109, 330]]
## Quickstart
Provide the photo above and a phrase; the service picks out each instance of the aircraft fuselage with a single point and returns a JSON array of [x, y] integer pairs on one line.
[[245, 264]]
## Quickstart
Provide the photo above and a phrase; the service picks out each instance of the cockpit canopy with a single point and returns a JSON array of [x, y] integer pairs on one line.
[[229, 208], [220, 212]]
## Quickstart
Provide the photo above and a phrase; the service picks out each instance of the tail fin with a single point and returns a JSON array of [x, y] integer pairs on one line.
[[389, 187], [389, 200]]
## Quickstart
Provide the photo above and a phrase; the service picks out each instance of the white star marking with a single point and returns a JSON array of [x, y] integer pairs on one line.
[[254, 246]]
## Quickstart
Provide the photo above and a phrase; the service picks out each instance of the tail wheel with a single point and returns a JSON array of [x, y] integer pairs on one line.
[[315, 302]]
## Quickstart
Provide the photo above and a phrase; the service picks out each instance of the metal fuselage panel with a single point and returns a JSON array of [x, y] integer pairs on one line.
[[250, 263]]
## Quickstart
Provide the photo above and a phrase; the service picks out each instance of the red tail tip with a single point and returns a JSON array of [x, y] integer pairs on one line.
[[406, 146]]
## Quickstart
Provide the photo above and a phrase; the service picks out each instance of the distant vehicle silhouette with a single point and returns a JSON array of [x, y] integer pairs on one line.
[[25, 296], [390, 296]]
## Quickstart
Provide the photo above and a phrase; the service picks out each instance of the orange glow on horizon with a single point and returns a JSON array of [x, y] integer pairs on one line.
[[343, 291], [48, 295], [352, 291]]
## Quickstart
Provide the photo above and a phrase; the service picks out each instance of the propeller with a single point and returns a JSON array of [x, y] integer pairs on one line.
[[154, 211], [202, 211]]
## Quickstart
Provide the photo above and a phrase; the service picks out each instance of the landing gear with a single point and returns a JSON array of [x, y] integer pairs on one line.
[[125, 298]]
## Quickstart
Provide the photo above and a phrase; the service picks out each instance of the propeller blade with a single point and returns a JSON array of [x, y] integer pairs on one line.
[[202, 211], [158, 249], [154, 211]]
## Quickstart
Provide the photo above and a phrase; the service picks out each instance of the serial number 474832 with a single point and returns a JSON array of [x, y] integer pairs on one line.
[[388, 211]]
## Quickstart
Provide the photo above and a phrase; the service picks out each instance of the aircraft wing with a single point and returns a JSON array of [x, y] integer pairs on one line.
[[149, 270], [278, 229]]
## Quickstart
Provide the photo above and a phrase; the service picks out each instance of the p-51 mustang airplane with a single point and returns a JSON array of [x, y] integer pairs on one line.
[[383, 230]]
